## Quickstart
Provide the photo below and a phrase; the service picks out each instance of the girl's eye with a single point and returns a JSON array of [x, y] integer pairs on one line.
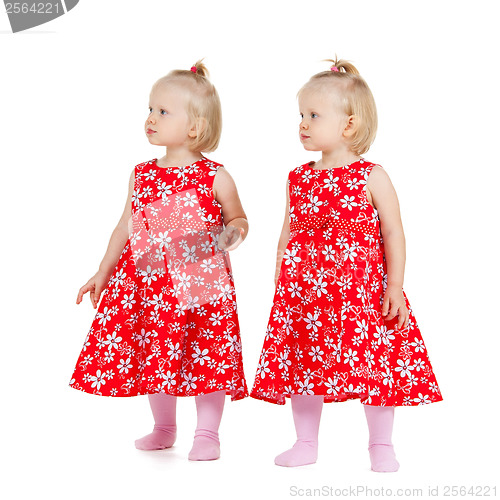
[[150, 110], [163, 112], [314, 115]]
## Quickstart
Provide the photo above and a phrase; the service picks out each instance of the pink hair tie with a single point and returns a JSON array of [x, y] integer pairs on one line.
[[334, 68], [193, 69]]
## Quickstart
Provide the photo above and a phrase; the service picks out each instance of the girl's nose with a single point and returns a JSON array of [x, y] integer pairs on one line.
[[304, 125]]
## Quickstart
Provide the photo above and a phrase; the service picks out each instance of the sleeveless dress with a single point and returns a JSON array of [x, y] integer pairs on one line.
[[326, 334], [167, 320]]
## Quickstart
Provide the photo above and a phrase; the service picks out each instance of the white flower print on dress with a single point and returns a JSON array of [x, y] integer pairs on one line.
[[128, 301], [98, 380], [348, 201], [200, 356], [314, 204], [319, 287], [316, 353], [169, 379], [263, 368], [167, 321], [284, 362], [290, 258], [124, 365], [112, 340], [404, 367], [331, 339], [295, 289], [312, 322]]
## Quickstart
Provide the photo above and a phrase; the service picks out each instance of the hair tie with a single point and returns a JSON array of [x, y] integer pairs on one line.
[[193, 69], [334, 68]]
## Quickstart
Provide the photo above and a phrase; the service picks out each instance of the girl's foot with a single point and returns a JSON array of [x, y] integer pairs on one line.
[[163, 436], [383, 458], [206, 445], [380, 421], [302, 453]]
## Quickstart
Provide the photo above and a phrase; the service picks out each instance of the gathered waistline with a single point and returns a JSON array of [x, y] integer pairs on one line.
[[316, 223], [143, 220]]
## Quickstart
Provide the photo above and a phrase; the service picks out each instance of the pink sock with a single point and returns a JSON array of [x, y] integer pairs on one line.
[[306, 417], [380, 421], [209, 409], [163, 436]]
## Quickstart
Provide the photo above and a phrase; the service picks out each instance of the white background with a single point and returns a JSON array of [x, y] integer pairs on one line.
[[73, 100]]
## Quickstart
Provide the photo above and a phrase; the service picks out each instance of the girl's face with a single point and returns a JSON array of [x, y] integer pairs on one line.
[[168, 123], [323, 125]]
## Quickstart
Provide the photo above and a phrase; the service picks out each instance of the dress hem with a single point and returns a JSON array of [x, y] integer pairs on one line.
[[235, 395], [281, 399]]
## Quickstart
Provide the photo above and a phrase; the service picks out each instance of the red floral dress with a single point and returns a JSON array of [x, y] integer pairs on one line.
[[167, 321], [326, 334]]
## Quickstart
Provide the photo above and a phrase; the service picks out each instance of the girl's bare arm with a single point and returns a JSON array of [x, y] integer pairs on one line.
[[97, 283], [226, 193], [284, 237], [120, 234], [386, 202]]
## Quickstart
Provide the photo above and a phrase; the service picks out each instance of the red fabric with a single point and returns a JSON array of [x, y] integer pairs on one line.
[[167, 320], [326, 335]]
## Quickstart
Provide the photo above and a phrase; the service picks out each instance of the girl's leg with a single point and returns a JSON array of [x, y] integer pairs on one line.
[[164, 432], [306, 417], [209, 409], [380, 421]]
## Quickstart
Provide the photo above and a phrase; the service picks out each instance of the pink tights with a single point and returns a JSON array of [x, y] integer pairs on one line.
[[380, 420], [306, 416], [209, 409], [306, 412]]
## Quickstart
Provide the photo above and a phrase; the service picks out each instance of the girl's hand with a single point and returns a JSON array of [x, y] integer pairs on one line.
[[230, 238], [394, 305], [95, 286]]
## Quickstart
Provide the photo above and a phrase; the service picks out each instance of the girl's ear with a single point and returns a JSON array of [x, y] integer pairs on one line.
[[351, 126], [197, 127]]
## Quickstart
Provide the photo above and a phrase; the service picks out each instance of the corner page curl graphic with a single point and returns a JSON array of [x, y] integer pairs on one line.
[[172, 236], [26, 14]]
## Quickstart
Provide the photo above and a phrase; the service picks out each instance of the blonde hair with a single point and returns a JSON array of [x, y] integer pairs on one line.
[[203, 102], [356, 99]]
